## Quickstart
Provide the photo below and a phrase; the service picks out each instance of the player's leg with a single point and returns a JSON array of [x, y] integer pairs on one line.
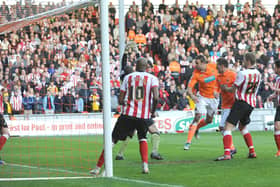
[[200, 124], [244, 121], [231, 122], [4, 132], [192, 130], [142, 129], [120, 154], [100, 162], [200, 109], [248, 139], [211, 109], [277, 130], [224, 115], [120, 132], [153, 130]]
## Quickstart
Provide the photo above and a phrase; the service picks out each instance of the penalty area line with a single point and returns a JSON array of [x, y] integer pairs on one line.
[[144, 182], [41, 178], [49, 169]]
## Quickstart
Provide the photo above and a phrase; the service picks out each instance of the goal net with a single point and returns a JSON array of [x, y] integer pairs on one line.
[[51, 92]]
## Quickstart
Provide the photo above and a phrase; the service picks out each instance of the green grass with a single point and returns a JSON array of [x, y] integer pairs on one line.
[[55, 156]]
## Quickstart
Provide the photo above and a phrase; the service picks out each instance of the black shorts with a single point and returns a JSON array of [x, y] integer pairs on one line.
[[126, 126], [2, 122], [277, 114], [240, 111]]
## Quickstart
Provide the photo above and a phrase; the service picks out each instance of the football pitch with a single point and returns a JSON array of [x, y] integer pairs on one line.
[[61, 158]]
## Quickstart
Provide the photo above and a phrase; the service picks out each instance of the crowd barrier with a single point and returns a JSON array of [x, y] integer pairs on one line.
[[92, 123]]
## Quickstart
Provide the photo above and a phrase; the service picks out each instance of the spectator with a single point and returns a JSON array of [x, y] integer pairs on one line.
[[95, 99], [58, 102], [68, 102], [183, 102], [38, 104], [48, 103], [114, 101], [79, 104], [16, 102], [28, 103]]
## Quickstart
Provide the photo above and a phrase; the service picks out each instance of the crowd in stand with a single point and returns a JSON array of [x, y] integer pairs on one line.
[[54, 65]]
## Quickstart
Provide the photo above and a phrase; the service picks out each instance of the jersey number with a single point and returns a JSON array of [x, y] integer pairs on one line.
[[252, 87], [136, 93]]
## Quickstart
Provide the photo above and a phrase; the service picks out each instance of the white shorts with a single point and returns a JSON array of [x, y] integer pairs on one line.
[[225, 113], [207, 106]]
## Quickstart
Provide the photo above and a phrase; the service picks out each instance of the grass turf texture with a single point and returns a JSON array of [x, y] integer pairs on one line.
[[193, 168]]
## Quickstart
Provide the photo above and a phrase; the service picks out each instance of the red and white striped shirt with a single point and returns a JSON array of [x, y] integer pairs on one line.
[[247, 83], [16, 102], [138, 94], [1, 104], [277, 86]]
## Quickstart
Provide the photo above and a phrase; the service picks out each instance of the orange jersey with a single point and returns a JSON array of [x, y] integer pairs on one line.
[[227, 78], [207, 81]]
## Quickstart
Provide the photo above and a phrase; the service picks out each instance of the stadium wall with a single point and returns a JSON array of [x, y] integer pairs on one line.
[[92, 123], [268, 4]]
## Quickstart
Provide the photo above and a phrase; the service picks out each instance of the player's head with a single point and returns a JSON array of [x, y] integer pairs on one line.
[[277, 66], [200, 62], [222, 65], [141, 64], [249, 60]]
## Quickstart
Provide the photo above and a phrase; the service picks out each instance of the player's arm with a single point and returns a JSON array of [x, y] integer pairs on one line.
[[239, 79], [155, 101], [191, 85], [123, 91], [121, 97], [229, 89], [275, 88]]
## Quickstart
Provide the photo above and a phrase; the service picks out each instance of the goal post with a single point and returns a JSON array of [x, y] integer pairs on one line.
[[106, 88], [48, 132]]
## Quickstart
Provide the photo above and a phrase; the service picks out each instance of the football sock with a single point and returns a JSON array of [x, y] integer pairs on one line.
[[248, 139], [201, 123], [277, 138], [144, 150], [191, 133], [3, 140], [155, 142], [100, 160], [227, 140], [123, 146]]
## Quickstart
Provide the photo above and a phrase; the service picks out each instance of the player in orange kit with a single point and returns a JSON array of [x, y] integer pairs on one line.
[[225, 77], [207, 99]]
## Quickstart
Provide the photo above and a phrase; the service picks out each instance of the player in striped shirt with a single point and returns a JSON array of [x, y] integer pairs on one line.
[[276, 93], [4, 132], [153, 130], [245, 87], [138, 97]]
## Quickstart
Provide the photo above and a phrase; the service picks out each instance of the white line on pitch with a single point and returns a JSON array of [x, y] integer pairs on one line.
[[49, 169], [41, 178], [81, 177], [145, 182]]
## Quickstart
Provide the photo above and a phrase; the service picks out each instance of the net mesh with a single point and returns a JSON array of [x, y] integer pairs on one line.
[[50, 88]]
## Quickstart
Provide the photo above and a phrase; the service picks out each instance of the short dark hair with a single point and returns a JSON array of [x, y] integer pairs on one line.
[[277, 63], [251, 58], [141, 64], [222, 61], [201, 58]]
